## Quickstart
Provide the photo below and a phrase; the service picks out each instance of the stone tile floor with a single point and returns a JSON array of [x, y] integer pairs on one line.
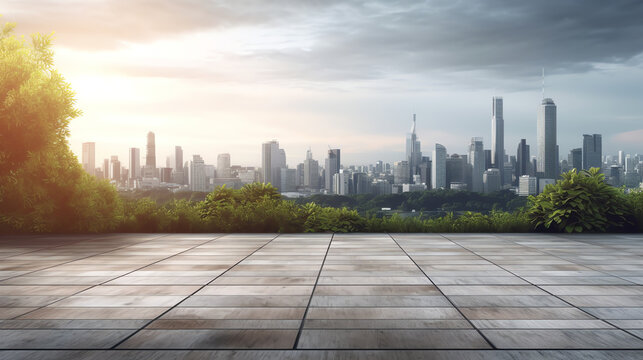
[[314, 296]]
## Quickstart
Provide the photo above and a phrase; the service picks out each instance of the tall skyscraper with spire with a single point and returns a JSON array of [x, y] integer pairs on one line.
[[497, 136], [413, 151], [547, 144]]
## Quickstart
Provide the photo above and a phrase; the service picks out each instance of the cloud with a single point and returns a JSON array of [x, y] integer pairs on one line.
[[628, 138]]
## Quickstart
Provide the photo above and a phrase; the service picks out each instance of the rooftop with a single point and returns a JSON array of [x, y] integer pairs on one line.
[[321, 296]]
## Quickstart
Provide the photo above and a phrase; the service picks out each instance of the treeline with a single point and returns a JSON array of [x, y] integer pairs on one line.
[[423, 201]]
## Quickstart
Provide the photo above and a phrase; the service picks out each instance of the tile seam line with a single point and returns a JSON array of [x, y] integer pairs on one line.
[[120, 276], [446, 297], [530, 283], [70, 261], [190, 295], [65, 263], [310, 300]]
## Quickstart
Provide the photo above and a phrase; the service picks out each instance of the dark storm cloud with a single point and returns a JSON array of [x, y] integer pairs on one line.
[[369, 39]]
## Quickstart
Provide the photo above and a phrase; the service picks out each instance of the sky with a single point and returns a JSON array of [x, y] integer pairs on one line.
[[224, 76]]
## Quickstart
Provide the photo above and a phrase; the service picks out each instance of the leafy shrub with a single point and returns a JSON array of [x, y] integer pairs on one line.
[[635, 199], [580, 201]]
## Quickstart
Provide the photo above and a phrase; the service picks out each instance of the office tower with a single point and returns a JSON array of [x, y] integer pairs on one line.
[[629, 164], [165, 174], [178, 158], [361, 183], [621, 158], [522, 159], [273, 159], [106, 171], [425, 171], [89, 157], [332, 167], [379, 167], [487, 159], [401, 171], [116, 168], [497, 136], [575, 159], [150, 156], [223, 166], [592, 151], [311, 171], [288, 180], [413, 152], [476, 161], [527, 185], [341, 183], [438, 167], [300, 174], [491, 180], [455, 170], [197, 174], [134, 163], [546, 133]]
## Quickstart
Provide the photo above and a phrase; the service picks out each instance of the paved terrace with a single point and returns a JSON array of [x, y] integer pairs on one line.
[[321, 296]]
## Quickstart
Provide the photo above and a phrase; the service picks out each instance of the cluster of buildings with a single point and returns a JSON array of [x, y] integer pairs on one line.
[[478, 170]]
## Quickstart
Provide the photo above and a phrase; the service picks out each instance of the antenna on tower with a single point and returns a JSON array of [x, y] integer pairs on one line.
[[543, 89]]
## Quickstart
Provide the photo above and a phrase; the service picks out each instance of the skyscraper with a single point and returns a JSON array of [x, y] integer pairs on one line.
[[401, 171], [413, 152], [497, 136], [522, 159], [150, 156], [134, 163], [476, 161], [197, 174], [311, 171], [546, 134], [89, 157], [575, 159], [223, 166], [592, 151], [439, 167], [178, 158], [273, 159], [332, 167]]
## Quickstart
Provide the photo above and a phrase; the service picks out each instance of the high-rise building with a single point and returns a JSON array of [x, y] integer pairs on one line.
[[439, 167], [455, 170], [401, 171], [488, 164], [547, 143], [288, 180], [621, 158], [197, 174], [223, 166], [497, 136], [342, 183], [311, 171], [333, 165], [106, 170], [178, 158], [476, 161], [150, 157], [491, 180], [361, 183], [522, 159], [592, 151], [134, 163], [413, 151], [116, 168], [273, 159], [89, 157], [575, 159], [527, 185]]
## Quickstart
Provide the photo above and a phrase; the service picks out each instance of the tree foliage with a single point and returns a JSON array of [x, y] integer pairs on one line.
[[42, 186], [581, 202]]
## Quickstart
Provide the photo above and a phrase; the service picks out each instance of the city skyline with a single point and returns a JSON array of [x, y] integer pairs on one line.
[[222, 78]]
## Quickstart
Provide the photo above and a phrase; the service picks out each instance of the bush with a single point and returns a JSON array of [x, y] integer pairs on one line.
[[579, 202], [635, 199]]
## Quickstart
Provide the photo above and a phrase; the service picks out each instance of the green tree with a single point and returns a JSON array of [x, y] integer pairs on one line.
[[42, 186]]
